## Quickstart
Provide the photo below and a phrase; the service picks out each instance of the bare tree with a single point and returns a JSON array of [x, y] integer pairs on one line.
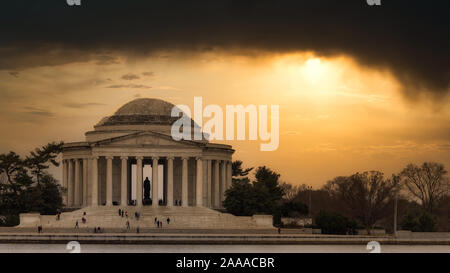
[[428, 183], [367, 195], [289, 191]]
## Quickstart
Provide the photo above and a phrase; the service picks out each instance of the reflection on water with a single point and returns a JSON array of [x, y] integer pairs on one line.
[[116, 248]]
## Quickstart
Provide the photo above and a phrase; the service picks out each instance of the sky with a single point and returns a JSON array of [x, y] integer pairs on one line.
[[359, 87]]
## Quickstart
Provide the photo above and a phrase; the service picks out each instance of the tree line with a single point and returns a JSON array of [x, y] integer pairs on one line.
[[26, 185], [345, 203]]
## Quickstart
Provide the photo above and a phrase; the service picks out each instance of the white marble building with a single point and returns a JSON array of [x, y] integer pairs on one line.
[[108, 168]]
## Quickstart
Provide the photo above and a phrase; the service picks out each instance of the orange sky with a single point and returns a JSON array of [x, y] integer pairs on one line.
[[336, 117]]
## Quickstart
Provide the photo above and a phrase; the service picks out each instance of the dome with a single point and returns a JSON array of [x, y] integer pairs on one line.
[[143, 111], [145, 106]]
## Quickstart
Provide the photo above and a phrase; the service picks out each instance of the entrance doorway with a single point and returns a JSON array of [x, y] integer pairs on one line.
[[147, 173]]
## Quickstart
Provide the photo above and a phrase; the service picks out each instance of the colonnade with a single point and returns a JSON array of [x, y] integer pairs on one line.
[[81, 179]]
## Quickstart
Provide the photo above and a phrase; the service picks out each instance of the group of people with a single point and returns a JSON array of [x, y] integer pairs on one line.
[[160, 223], [97, 230], [123, 213], [177, 202], [83, 220]]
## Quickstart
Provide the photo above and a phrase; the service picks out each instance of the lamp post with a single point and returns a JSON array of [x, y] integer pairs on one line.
[[395, 213]]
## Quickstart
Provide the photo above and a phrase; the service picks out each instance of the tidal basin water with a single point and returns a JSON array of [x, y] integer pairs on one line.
[[126, 248]]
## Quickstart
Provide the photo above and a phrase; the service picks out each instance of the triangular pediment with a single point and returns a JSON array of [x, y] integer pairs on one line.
[[146, 138]]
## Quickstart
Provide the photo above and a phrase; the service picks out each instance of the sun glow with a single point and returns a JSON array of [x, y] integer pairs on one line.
[[312, 70]]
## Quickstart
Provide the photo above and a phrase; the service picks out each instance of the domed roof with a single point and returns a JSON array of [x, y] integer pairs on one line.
[[145, 106], [144, 111]]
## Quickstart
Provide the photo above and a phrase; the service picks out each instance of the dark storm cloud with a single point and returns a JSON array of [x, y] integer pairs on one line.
[[408, 37]]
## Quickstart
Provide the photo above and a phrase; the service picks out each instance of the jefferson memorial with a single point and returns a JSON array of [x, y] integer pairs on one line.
[[107, 168], [130, 162]]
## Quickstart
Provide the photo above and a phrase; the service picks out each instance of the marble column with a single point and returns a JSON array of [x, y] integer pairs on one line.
[[109, 184], [70, 184], [184, 183], [64, 181], [169, 181], [209, 183], [123, 181], [85, 182], [155, 199], [77, 186], [216, 184], [229, 174], [94, 182], [223, 181], [199, 180], [139, 181]]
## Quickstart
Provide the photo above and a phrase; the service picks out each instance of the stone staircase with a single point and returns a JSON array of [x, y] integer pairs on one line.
[[180, 218]]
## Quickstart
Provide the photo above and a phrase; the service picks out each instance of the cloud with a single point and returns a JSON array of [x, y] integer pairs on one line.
[[130, 77], [292, 133], [148, 74], [37, 112], [106, 60], [406, 37], [167, 87], [129, 86], [82, 105]]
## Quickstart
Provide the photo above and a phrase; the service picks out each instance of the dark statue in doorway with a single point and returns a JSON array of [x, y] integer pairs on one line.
[[147, 188]]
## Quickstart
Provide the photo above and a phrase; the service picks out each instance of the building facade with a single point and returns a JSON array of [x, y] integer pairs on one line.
[[110, 166]]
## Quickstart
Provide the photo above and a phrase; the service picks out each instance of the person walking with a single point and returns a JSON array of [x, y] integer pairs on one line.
[[76, 224], [128, 224], [120, 212], [168, 220]]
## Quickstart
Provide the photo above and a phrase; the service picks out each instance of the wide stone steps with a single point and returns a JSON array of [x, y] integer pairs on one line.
[[180, 217]]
